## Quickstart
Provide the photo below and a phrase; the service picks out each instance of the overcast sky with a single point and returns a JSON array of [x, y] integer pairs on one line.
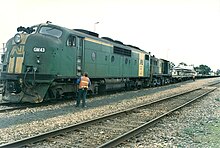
[[178, 30]]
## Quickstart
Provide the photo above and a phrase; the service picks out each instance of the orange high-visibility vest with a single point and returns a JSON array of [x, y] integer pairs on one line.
[[84, 82]]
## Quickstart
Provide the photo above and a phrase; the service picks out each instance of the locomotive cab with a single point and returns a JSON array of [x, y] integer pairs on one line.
[[30, 63]]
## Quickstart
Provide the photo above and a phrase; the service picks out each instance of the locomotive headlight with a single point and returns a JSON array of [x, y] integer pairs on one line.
[[17, 38]]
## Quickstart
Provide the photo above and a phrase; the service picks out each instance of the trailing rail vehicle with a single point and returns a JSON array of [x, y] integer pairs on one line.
[[43, 62], [183, 73]]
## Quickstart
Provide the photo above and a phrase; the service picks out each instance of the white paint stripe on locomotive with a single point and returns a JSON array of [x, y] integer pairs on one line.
[[18, 67], [16, 62], [98, 42], [19, 60], [141, 64], [11, 65]]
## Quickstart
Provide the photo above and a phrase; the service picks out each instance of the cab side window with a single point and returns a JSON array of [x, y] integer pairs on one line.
[[71, 41]]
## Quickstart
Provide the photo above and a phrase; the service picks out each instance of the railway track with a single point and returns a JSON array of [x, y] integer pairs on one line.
[[113, 129], [7, 107]]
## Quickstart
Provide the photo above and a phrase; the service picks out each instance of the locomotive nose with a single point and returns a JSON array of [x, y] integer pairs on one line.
[[16, 55]]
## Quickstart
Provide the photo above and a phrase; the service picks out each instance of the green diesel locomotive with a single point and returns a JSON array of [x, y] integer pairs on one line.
[[42, 62]]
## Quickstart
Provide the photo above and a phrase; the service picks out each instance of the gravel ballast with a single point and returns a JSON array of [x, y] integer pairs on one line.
[[197, 125], [19, 124]]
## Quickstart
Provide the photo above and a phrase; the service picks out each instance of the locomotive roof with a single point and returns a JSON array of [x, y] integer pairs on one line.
[[111, 41], [93, 35], [155, 58], [188, 67]]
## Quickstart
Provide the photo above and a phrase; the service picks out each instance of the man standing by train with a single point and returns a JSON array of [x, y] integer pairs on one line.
[[84, 83]]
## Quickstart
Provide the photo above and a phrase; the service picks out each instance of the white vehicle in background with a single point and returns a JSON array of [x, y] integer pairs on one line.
[[184, 72]]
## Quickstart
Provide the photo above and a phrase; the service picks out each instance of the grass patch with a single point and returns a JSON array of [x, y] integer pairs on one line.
[[207, 134], [213, 136]]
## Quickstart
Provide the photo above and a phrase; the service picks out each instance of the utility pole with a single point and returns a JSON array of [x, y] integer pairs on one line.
[[3, 47], [95, 25], [2, 51]]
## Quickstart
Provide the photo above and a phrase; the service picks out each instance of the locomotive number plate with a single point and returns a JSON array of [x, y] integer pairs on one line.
[[39, 49]]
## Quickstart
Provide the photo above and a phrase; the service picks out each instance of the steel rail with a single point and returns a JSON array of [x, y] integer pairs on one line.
[[215, 83], [8, 107], [53, 133], [146, 125], [14, 106], [12, 109]]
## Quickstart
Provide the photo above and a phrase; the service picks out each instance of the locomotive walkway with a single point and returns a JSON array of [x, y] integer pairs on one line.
[[113, 129]]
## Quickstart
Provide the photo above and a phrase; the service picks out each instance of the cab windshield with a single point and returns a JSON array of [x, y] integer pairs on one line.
[[52, 31]]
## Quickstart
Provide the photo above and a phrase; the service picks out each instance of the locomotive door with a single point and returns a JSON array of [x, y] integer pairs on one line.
[[79, 56]]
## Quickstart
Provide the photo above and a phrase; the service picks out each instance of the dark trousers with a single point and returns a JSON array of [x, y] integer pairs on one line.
[[81, 95]]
